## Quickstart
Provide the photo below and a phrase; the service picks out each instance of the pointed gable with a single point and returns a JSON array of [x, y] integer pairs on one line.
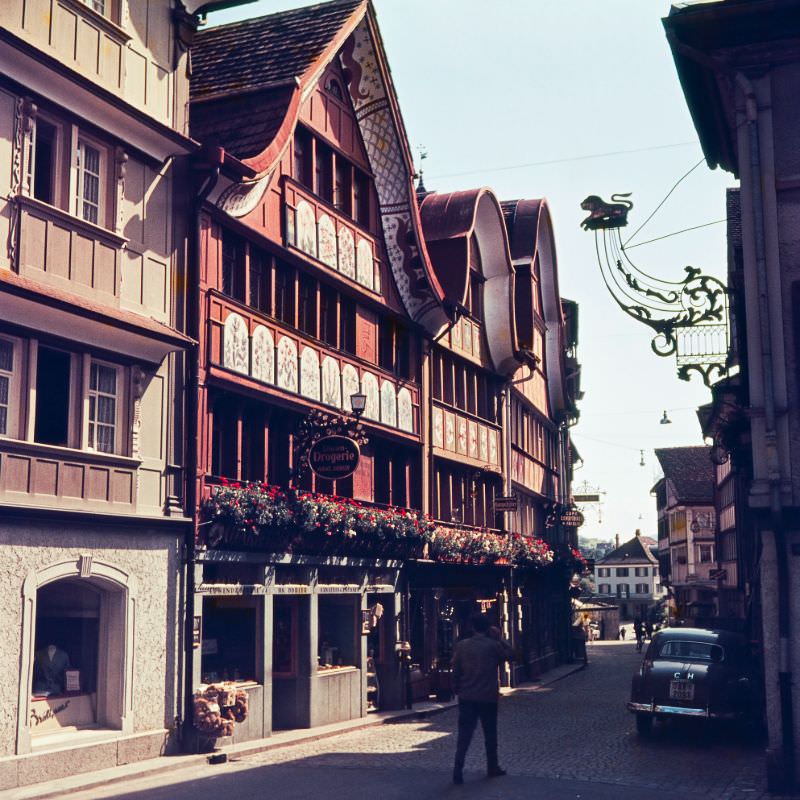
[[250, 82], [634, 551]]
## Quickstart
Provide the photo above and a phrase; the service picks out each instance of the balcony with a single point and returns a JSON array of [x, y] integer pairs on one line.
[[67, 253], [462, 437], [318, 230], [252, 345], [464, 338], [42, 475]]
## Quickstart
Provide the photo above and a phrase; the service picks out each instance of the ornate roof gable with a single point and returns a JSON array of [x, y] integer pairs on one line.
[[387, 149], [238, 59]]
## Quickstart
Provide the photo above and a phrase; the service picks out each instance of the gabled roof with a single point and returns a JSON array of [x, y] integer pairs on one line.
[[265, 52], [249, 82], [633, 551], [690, 471]]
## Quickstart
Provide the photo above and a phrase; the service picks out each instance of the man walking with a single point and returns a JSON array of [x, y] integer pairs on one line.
[[476, 662]]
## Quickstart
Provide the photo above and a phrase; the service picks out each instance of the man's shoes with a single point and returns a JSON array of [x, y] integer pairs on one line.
[[458, 776], [495, 772]]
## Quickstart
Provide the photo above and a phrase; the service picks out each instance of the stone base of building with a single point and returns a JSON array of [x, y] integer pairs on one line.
[[98, 752]]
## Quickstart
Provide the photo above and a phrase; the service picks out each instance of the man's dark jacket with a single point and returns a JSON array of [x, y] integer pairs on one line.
[[475, 668]]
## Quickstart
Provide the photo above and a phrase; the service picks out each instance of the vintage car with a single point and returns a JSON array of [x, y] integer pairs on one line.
[[693, 673]]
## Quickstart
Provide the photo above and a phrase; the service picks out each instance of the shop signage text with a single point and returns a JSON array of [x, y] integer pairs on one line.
[[334, 457], [231, 588], [505, 503]]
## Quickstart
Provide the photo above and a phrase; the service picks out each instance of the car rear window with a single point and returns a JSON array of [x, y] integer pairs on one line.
[[691, 651]]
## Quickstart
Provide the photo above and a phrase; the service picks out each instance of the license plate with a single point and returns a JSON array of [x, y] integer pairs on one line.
[[681, 690]]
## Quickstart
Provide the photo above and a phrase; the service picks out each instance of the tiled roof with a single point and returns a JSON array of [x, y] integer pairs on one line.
[[264, 52], [691, 472], [632, 552], [244, 126]]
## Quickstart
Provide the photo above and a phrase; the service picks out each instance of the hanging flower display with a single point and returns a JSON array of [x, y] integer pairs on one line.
[[470, 546], [267, 516], [217, 707]]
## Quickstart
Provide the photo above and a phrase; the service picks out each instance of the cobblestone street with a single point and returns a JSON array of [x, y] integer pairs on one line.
[[571, 739]]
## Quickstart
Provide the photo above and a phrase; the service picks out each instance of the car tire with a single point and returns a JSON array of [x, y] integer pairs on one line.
[[644, 725]]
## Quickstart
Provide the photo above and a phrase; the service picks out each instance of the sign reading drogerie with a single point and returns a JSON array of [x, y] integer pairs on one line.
[[334, 457]]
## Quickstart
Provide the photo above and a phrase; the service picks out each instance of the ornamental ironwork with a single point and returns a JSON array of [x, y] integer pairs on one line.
[[689, 316]]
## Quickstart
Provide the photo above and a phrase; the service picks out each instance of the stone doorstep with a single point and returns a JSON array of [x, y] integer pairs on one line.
[[281, 739]]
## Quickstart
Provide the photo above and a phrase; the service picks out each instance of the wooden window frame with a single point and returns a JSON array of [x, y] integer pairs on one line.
[[14, 377]]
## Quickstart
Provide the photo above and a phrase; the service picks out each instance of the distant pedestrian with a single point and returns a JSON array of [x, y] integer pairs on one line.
[[476, 662], [622, 632], [648, 629]]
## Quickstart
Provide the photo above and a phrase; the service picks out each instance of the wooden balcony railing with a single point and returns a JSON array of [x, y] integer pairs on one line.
[[460, 436], [317, 229], [245, 341], [464, 338], [531, 473], [63, 251], [41, 475]]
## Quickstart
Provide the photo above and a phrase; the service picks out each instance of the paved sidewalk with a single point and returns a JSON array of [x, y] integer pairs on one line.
[[281, 739]]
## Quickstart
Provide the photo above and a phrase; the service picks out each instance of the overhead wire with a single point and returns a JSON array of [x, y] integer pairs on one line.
[[563, 160], [675, 233]]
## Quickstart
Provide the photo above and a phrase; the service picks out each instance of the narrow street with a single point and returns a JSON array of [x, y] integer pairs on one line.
[[572, 739]]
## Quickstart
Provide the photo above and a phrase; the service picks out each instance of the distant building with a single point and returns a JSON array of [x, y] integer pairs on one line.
[[630, 573], [686, 525]]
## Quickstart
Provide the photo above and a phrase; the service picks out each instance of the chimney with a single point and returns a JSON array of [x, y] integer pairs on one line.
[[616, 541], [638, 533]]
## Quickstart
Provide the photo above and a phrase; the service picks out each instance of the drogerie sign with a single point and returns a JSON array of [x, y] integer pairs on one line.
[[334, 457]]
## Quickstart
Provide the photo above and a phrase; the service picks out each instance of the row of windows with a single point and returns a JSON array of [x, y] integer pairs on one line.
[[464, 386], [463, 495], [251, 442], [623, 572], [66, 168], [76, 400], [332, 177], [531, 435], [624, 589], [298, 300]]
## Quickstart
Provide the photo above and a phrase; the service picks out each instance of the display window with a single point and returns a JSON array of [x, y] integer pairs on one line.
[[65, 656], [229, 639], [284, 637], [339, 631]]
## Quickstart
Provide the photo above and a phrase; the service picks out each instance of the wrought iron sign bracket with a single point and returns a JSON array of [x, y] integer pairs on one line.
[[689, 316]]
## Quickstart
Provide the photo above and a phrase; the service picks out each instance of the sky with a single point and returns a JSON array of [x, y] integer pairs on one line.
[[490, 91]]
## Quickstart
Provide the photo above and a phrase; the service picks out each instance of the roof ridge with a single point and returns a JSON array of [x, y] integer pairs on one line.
[[253, 20]]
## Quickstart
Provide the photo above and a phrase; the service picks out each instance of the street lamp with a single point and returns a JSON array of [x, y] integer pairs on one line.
[[358, 402]]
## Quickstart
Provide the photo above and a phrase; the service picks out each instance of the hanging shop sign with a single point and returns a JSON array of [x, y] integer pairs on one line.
[[334, 457], [505, 503], [572, 518]]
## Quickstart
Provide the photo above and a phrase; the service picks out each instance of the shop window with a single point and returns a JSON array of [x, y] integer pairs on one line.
[[284, 293], [260, 289], [307, 307], [51, 422], [105, 385], [339, 636], [233, 266], [284, 637], [66, 656], [230, 633]]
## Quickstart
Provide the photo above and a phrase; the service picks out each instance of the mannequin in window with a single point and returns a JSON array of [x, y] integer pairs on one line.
[[49, 665]]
